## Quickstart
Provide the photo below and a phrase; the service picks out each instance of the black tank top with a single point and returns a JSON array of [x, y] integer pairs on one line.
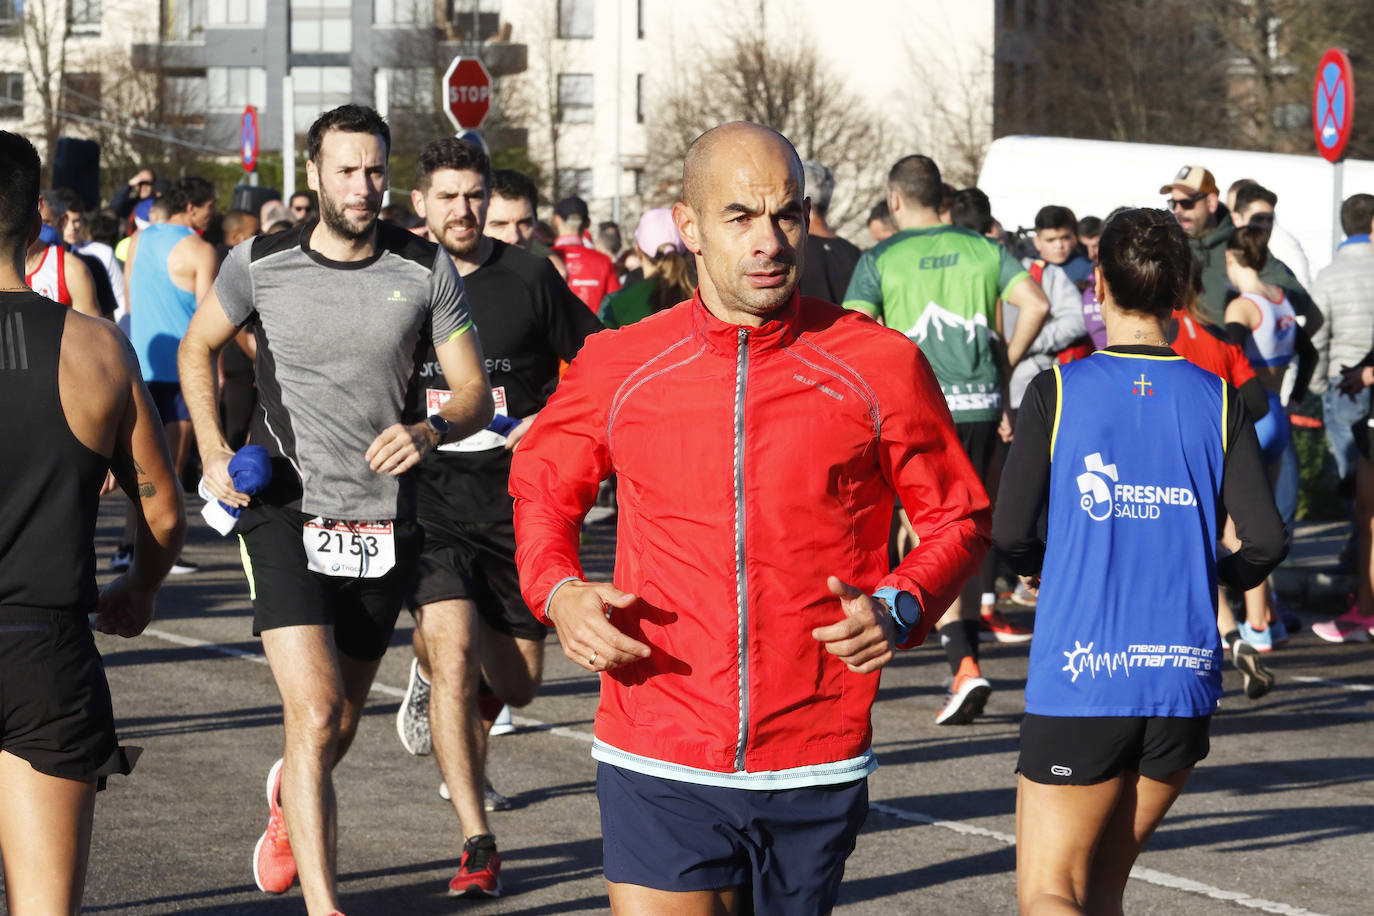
[[49, 481]]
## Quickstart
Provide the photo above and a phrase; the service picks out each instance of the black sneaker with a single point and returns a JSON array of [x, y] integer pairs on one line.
[[123, 558], [1258, 679], [183, 567]]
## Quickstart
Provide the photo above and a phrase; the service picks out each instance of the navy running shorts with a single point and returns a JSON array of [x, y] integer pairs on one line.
[[786, 849], [1084, 750], [55, 710], [475, 561], [171, 406], [286, 592]]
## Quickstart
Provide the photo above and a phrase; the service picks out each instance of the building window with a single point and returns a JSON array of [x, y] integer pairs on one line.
[[575, 18], [639, 98], [185, 99], [639, 17], [401, 12], [83, 17], [11, 16], [411, 89], [575, 98], [236, 12], [575, 183], [318, 89], [473, 20], [638, 175], [12, 102], [321, 26], [233, 88], [81, 94]]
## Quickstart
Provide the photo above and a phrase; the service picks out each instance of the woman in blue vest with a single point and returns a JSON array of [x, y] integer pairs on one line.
[[1139, 455]]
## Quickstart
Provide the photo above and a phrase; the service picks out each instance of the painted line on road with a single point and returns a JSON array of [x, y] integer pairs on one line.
[[1360, 688], [1148, 875]]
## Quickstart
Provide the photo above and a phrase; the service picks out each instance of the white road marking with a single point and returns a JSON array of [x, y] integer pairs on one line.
[[1148, 875], [1345, 685]]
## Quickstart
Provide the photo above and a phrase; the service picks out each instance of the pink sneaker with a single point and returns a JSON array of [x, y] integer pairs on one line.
[[1352, 626]]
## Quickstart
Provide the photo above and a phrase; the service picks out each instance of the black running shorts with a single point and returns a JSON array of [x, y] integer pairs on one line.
[[979, 441], [1081, 751], [475, 561], [287, 593], [54, 699]]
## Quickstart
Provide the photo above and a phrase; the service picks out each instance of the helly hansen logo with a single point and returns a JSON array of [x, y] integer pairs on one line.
[[818, 386], [14, 352]]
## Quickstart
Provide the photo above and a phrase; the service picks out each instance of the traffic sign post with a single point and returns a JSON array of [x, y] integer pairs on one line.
[[249, 133], [1333, 118], [466, 90]]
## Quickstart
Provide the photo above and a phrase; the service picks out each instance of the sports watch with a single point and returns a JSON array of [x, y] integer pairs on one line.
[[439, 426], [905, 609]]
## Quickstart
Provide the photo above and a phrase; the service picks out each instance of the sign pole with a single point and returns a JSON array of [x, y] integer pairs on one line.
[[1333, 118], [288, 138], [1337, 198]]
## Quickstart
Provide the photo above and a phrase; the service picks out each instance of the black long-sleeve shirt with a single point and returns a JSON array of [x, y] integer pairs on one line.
[[1245, 491]]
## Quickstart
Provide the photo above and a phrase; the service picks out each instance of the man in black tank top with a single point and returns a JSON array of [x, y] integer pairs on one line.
[[73, 385]]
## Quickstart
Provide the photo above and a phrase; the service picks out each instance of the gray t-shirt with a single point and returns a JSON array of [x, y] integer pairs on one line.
[[337, 349]]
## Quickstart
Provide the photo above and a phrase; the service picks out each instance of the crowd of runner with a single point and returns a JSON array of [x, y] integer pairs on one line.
[[816, 455]]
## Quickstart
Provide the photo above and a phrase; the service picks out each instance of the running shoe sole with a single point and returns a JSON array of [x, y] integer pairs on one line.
[[998, 636], [475, 890], [1258, 680], [968, 705], [402, 714]]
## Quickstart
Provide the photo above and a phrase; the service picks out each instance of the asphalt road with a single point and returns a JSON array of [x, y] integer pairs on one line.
[[1276, 820]]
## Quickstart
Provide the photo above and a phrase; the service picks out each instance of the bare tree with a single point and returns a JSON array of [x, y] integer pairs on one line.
[[786, 85], [44, 33], [534, 98], [954, 123]]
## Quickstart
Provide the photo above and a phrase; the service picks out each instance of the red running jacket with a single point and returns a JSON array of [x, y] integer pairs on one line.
[[752, 463], [591, 275]]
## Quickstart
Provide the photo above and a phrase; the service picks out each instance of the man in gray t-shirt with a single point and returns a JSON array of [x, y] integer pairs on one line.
[[341, 308]]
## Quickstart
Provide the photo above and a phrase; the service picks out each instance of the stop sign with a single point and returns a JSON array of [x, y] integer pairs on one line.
[[467, 92]]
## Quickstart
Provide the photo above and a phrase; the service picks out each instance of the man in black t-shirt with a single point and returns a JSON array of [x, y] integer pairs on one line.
[[828, 260], [472, 626]]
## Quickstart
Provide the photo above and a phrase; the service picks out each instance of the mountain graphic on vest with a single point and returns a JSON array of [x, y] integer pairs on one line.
[[1097, 493], [936, 318]]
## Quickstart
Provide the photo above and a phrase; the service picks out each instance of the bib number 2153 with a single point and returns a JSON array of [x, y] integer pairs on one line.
[[350, 550]]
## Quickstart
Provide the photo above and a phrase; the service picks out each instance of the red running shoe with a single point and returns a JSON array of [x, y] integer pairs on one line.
[[274, 867], [994, 627], [479, 870]]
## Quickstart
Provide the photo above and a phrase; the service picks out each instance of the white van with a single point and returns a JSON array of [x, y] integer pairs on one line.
[[1093, 177]]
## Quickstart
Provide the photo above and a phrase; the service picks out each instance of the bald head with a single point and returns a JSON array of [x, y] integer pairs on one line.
[[743, 215], [722, 150]]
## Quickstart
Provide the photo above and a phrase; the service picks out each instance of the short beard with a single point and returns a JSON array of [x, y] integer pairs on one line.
[[338, 223], [458, 251]]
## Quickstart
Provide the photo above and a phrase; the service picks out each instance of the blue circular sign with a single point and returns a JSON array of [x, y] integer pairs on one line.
[[248, 138]]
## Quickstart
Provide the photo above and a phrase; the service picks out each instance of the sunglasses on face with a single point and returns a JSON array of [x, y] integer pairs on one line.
[[1186, 203]]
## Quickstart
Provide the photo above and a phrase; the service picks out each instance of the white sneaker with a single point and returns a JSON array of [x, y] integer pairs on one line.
[[412, 719], [503, 724]]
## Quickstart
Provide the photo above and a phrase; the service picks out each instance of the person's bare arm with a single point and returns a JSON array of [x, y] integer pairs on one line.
[[398, 448], [1027, 296], [80, 286], [129, 272], [209, 331], [204, 264], [143, 467]]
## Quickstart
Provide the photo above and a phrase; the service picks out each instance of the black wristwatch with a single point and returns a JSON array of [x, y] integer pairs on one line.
[[439, 426]]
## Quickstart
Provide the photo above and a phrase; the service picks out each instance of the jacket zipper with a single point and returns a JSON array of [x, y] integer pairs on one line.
[[741, 590]]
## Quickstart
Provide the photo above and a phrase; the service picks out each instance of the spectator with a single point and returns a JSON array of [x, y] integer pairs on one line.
[[138, 188], [880, 224], [1344, 293], [590, 273], [828, 260], [302, 206], [971, 209], [1253, 203], [669, 277], [608, 240], [102, 235], [1056, 241], [1196, 204], [1089, 234], [274, 211]]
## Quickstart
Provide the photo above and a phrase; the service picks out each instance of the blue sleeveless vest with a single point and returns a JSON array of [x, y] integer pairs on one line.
[[1126, 620], [159, 310]]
